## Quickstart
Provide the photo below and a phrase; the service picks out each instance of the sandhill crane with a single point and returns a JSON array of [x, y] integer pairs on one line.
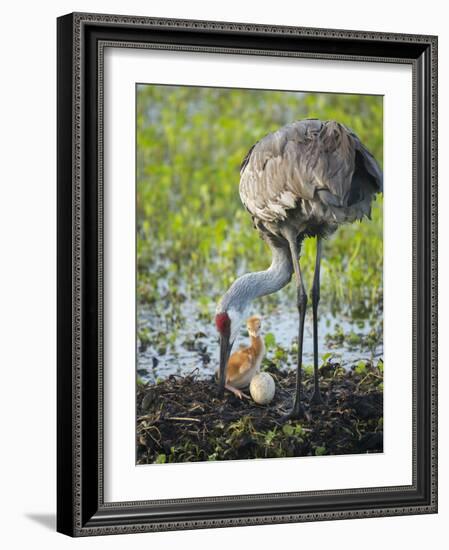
[[304, 180]]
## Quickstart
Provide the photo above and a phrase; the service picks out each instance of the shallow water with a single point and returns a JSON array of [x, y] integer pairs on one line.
[[196, 345]]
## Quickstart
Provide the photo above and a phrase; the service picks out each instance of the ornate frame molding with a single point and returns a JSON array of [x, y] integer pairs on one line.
[[81, 42]]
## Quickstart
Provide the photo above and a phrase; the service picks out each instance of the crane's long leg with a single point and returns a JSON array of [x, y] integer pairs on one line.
[[316, 398], [301, 302]]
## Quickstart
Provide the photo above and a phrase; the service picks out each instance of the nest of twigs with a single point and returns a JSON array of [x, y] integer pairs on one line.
[[182, 420]]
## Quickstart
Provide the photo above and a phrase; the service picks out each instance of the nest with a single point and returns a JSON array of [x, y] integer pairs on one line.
[[182, 419]]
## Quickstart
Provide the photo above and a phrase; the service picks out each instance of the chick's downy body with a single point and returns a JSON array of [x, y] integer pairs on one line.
[[245, 363]]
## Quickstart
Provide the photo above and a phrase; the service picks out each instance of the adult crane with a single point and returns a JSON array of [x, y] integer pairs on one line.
[[304, 180]]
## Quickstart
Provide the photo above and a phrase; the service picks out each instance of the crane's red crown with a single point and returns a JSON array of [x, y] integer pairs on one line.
[[223, 323]]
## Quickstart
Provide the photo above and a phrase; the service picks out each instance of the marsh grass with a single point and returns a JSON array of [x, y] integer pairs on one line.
[[182, 420]]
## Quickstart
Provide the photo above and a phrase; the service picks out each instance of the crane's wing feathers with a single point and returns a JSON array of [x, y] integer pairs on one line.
[[306, 161]]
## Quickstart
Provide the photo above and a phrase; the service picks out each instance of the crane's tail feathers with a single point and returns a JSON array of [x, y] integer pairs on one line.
[[366, 160]]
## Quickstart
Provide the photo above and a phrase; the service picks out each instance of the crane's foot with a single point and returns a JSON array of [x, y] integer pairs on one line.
[[317, 398], [297, 413]]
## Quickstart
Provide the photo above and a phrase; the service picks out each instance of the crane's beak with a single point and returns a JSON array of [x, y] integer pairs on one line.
[[225, 351]]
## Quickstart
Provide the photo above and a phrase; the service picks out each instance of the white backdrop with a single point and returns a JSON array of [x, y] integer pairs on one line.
[[27, 290]]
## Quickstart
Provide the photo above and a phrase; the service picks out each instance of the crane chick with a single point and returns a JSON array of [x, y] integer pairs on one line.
[[245, 363]]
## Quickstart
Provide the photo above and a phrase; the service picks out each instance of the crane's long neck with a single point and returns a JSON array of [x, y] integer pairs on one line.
[[252, 285]]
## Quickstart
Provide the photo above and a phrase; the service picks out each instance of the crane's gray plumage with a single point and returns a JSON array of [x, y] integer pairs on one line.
[[303, 180], [310, 176]]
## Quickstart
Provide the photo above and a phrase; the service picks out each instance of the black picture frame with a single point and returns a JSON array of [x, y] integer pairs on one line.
[[81, 509]]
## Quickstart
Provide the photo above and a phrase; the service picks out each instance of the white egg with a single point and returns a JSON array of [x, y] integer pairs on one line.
[[262, 388]]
